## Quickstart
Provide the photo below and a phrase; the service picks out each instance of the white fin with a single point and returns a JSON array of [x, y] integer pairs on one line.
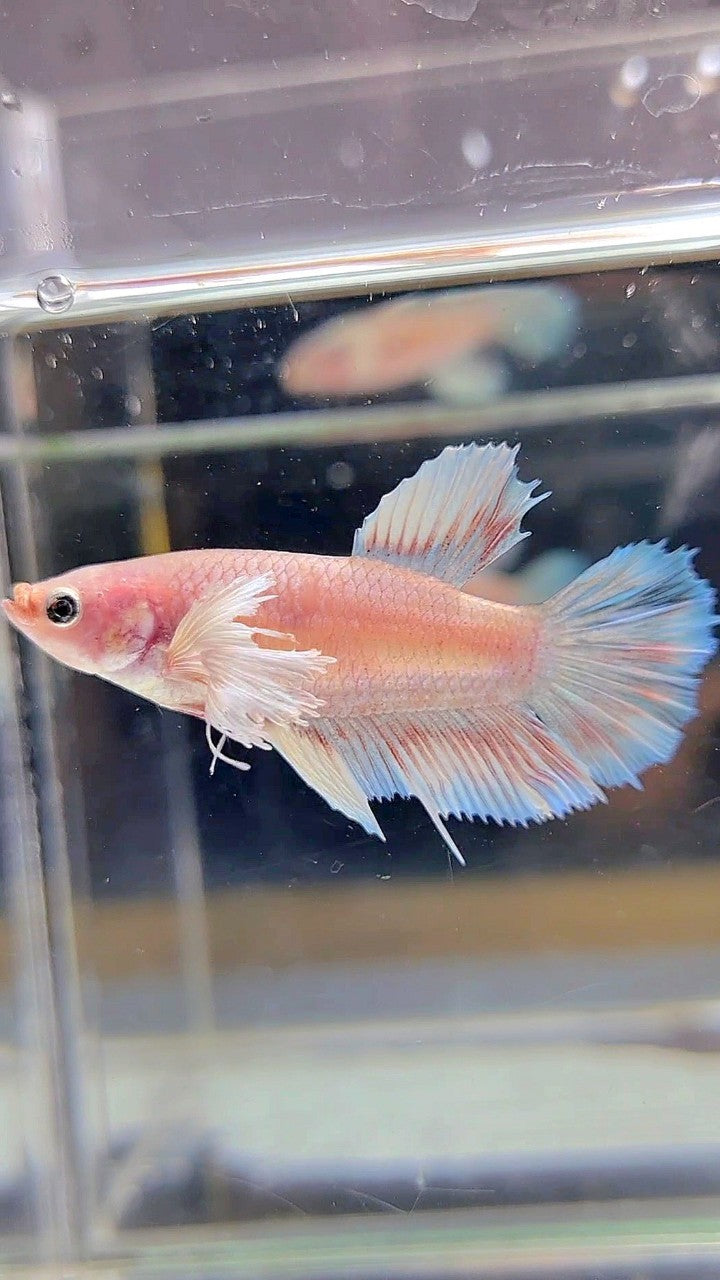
[[322, 767], [498, 763], [246, 688], [442, 831], [456, 515]]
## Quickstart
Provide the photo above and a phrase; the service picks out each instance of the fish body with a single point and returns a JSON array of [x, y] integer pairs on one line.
[[400, 641], [377, 674]]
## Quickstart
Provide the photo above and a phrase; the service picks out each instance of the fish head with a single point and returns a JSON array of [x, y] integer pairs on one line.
[[91, 619], [322, 364]]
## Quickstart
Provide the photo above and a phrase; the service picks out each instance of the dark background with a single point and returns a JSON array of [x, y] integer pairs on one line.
[[266, 825]]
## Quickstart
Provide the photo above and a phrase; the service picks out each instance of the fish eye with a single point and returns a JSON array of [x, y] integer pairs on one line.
[[63, 607]]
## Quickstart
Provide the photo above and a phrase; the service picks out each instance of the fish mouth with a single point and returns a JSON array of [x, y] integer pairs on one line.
[[19, 609]]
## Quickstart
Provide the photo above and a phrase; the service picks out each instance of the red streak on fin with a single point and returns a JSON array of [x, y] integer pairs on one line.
[[456, 515]]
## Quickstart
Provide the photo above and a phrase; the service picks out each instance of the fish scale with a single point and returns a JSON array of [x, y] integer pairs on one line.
[[401, 641]]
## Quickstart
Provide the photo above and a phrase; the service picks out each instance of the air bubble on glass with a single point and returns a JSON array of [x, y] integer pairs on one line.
[[55, 293]]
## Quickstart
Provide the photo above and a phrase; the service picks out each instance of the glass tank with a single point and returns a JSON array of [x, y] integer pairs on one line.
[[259, 264]]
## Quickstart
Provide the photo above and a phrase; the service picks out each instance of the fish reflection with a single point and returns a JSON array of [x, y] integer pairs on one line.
[[411, 339], [376, 674], [695, 481], [534, 583]]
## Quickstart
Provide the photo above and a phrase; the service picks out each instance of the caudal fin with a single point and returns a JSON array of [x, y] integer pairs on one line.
[[626, 642]]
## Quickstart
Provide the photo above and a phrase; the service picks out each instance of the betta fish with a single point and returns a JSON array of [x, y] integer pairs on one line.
[[430, 336], [376, 675]]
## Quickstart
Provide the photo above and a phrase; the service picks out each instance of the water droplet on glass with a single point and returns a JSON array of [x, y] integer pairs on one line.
[[455, 10], [707, 63], [340, 475], [629, 340], [133, 406], [56, 294], [351, 153], [97, 373], [671, 95], [629, 79], [10, 100], [51, 360], [476, 148], [629, 290], [634, 72]]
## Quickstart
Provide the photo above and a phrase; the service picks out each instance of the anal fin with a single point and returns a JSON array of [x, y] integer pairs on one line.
[[318, 762], [494, 763], [442, 830]]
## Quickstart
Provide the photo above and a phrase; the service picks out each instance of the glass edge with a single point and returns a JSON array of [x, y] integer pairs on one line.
[[543, 1245], [660, 229]]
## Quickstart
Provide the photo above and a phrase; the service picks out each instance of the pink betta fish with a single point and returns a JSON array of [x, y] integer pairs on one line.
[[417, 336], [376, 675]]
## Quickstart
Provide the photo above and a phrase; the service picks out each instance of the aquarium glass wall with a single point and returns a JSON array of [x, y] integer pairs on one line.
[[258, 264]]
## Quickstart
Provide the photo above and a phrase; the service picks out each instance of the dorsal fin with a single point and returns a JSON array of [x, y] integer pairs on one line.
[[456, 515]]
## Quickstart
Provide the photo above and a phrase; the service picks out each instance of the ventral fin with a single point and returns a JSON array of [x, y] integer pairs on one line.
[[320, 765], [246, 688], [456, 515]]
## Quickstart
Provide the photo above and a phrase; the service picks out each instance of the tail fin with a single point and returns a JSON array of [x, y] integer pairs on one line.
[[626, 641]]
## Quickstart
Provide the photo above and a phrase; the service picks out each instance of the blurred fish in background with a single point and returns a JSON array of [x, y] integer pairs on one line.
[[535, 582], [694, 485], [451, 343], [685, 789]]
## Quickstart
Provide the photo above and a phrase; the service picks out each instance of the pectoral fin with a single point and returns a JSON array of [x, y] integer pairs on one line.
[[246, 688]]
